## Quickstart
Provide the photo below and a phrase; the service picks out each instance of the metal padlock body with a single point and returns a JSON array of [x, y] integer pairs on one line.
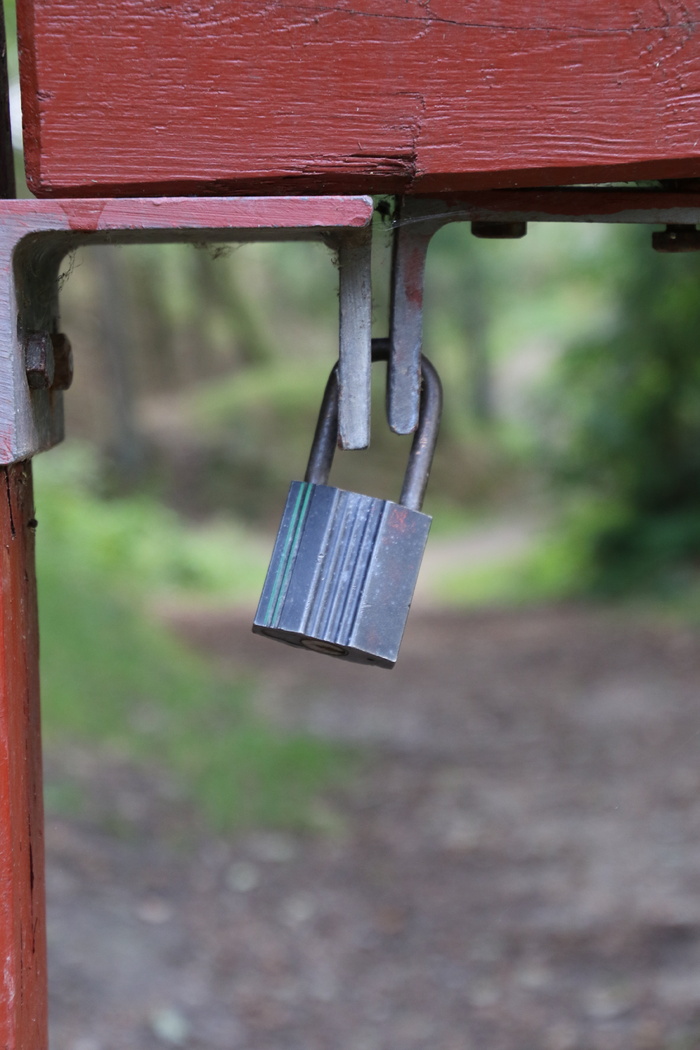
[[345, 565], [343, 573]]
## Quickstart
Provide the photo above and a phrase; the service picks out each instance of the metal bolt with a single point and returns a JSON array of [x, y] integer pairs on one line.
[[676, 237], [39, 360], [49, 361], [63, 361], [499, 231]]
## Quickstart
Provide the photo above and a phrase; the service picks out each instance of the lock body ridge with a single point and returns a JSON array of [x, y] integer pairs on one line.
[[342, 573]]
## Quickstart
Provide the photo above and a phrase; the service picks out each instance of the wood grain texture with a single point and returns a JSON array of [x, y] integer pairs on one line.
[[426, 96], [23, 1024], [7, 162]]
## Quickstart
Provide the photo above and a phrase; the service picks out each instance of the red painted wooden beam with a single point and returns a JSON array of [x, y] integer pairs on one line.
[[23, 1023], [219, 96]]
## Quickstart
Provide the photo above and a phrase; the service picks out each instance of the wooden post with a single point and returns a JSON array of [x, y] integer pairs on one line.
[[23, 995], [23, 983]]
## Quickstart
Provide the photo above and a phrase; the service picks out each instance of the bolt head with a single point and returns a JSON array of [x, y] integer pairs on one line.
[[39, 360], [499, 231], [676, 238]]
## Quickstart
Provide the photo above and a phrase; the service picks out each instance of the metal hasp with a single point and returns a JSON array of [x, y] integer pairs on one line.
[[504, 214], [36, 236], [345, 565]]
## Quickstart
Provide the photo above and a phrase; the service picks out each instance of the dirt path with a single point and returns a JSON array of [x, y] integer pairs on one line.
[[518, 868]]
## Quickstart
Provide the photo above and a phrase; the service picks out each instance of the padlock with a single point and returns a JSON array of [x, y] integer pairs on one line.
[[345, 566]]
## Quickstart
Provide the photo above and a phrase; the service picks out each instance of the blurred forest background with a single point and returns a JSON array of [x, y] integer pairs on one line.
[[572, 416], [571, 436]]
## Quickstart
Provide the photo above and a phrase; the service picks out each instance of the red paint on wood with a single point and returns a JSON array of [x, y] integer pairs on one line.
[[217, 96], [84, 215], [182, 215], [187, 213], [23, 1023]]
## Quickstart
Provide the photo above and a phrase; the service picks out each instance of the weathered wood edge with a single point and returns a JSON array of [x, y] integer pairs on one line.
[[23, 1001]]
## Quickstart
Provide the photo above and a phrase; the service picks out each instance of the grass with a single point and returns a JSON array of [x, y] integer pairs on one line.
[[138, 544], [556, 566], [113, 677], [560, 565], [549, 572]]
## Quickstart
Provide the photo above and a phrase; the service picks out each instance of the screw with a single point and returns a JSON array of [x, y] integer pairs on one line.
[[499, 231], [676, 237]]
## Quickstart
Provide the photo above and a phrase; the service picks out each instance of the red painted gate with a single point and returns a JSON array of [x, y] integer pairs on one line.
[[232, 97]]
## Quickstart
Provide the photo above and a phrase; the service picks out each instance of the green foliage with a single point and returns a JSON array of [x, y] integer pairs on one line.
[[257, 427], [113, 676], [138, 543], [556, 565], [550, 571], [626, 428]]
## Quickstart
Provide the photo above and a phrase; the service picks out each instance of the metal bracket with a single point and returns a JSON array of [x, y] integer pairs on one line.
[[418, 218], [36, 235]]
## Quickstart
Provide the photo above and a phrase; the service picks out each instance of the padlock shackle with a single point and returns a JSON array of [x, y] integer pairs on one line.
[[420, 457]]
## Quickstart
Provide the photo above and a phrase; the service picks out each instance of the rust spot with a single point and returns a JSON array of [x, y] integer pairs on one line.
[[413, 273], [398, 518]]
